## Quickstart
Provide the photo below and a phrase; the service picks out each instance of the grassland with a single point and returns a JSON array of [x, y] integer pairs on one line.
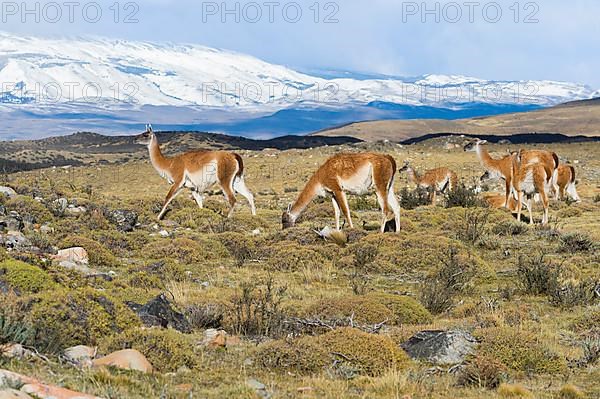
[[535, 318]]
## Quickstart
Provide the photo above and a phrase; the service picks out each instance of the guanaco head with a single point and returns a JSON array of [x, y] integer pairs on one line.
[[405, 167], [472, 146], [146, 137], [485, 177], [287, 220]]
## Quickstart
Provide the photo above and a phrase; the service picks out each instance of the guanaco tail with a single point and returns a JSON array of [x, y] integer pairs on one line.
[[438, 180], [198, 170], [356, 174]]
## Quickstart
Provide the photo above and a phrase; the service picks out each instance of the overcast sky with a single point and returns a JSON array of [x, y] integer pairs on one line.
[[553, 39]]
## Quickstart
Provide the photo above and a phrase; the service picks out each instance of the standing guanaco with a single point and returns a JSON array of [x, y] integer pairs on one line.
[[354, 173], [566, 182], [502, 168], [198, 170], [437, 180], [529, 180]]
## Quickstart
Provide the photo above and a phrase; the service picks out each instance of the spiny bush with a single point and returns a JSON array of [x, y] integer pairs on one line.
[[576, 242], [99, 256], [462, 197], [520, 351], [25, 278], [28, 206], [15, 330], [362, 310], [411, 199], [474, 225], [439, 289], [514, 391], [483, 371], [205, 315], [76, 317], [167, 350], [405, 310], [368, 354], [288, 256], [257, 309], [536, 275], [576, 293], [185, 250], [510, 228], [240, 247], [302, 355]]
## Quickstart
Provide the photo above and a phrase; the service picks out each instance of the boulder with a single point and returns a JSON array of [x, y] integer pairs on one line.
[[159, 312], [127, 359], [125, 220], [12, 222], [441, 347], [15, 240], [75, 210], [9, 192], [2, 210], [59, 206], [37, 389], [80, 355], [15, 351], [13, 394]]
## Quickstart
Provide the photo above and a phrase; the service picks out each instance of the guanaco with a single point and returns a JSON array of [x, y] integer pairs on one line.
[[529, 180], [566, 182], [437, 180], [502, 168], [353, 173], [198, 170]]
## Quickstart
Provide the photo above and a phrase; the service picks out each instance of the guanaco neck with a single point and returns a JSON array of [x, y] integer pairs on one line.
[[413, 176], [159, 161], [309, 192], [486, 160]]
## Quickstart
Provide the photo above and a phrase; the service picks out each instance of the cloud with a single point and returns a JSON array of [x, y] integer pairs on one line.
[[382, 36]]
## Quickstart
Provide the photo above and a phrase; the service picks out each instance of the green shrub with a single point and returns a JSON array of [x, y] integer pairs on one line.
[[3, 254], [364, 310], [185, 250], [588, 322], [288, 256], [166, 349], [25, 278], [28, 206], [536, 275], [344, 350], [575, 293], [520, 351], [302, 355], [570, 391], [510, 228], [241, 247], [99, 256], [15, 330], [576, 242], [405, 310], [411, 199], [462, 197], [77, 317], [365, 353]]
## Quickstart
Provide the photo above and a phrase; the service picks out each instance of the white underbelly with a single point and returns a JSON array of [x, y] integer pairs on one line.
[[528, 185], [203, 178], [360, 183]]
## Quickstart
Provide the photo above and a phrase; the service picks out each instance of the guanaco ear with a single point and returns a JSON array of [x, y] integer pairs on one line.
[[289, 208], [482, 142], [150, 128]]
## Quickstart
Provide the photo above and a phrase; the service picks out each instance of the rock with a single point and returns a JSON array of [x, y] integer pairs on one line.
[[9, 192], [60, 206], [2, 210], [441, 347], [15, 240], [13, 394], [259, 387], [159, 312], [164, 233], [12, 222], [75, 210], [127, 359], [46, 229], [38, 389], [80, 355], [75, 255], [125, 220], [15, 351]]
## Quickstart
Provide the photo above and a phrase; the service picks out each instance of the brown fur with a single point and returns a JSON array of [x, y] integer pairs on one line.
[[496, 201], [522, 171], [564, 178], [503, 166], [432, 179], [229, 167], [336, 172]]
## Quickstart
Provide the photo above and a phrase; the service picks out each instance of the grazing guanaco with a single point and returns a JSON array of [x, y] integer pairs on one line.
[[497, 201], [502, 168], [566, 182], [529, 180], [198, 170], [353, 173], [437, 180]]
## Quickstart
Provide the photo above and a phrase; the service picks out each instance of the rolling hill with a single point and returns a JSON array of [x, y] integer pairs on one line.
[[577, 118]]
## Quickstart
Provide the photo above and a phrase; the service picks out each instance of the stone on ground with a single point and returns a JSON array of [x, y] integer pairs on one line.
[[127, 359], [441, 347]]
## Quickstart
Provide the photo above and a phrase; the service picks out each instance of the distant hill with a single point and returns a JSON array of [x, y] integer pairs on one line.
[[578, 118], [89, 148]]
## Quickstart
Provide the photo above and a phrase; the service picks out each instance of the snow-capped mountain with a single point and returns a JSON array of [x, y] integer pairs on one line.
[[88, 79]]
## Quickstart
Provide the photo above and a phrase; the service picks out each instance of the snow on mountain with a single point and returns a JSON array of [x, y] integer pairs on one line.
[[102, 71]]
